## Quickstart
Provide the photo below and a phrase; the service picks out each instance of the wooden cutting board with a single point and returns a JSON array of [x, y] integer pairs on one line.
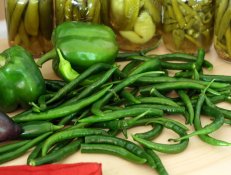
[[198, 159]]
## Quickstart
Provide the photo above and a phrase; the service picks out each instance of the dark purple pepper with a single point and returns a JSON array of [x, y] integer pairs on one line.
[[8, 128]]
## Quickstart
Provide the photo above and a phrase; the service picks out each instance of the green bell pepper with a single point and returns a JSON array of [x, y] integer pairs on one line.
[[82, 44], [21, 79]]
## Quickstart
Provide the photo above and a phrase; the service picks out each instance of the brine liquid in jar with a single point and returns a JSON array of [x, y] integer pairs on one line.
[[137, 23], [30, 24], [188, 25]]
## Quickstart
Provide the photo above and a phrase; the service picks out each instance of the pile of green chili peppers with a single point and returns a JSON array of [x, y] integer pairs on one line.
[[77, 10], [90, 112], [188, 25], [222, 31], [30, 24]]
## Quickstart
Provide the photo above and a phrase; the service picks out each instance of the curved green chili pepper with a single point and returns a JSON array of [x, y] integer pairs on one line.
[[166, 148], [64, 68]]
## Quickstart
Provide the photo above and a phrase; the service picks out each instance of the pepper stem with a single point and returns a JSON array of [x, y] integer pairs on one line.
[[46, 57]]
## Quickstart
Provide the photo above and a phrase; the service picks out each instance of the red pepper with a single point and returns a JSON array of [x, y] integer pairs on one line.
[[54, 169]]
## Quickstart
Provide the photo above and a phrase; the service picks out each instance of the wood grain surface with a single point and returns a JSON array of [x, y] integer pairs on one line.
[[198, 159]]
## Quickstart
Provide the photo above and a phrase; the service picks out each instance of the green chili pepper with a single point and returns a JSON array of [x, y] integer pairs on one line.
[[57, 155], [166, 148], [23, 149], [12, 146], [159, 165], [83, 44], [62, 110], [69, 134], [36, 128], [63, 68], [21, 80], [128, 145], [122, 113], [111, 149]]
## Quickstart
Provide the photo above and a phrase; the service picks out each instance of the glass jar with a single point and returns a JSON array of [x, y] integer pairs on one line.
[[188, 25], [137, 23], [77, 10], [222, 29], [30, 24]]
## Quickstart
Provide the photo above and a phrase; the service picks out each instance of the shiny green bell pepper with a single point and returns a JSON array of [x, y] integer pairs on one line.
[[21, 79], [82, 44]]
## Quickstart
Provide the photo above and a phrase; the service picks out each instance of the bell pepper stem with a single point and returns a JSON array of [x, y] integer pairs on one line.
[[46, 57]]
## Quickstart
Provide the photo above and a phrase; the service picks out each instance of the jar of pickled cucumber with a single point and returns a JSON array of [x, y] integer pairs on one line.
[[188, 25], [222, 29], [77, 10], [30, 24], [137, 23]]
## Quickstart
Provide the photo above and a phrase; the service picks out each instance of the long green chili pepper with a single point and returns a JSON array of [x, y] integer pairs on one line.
[[186, 100], [62, 110], [69, 134], [71, 85], [12, 146], [91, 88], [128, 145], [205, 137], [36, 152], [129, 97], [149, 65], [96, 107], [165, 108], [166, 79], [151, 134], [112, 149], [22, 150], [131, 66], [58, 155], [159, 165], [177, 86], [158, 100], [35, 128], [166, 148], [217, 123], [122, 113]]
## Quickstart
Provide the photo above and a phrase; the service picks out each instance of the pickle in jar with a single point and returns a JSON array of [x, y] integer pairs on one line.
[[30, 24], [222, 29], [188, 24], [136, 22], [77, 10]]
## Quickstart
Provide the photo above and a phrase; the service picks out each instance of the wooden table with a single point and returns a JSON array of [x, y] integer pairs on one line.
[[198, 159]]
